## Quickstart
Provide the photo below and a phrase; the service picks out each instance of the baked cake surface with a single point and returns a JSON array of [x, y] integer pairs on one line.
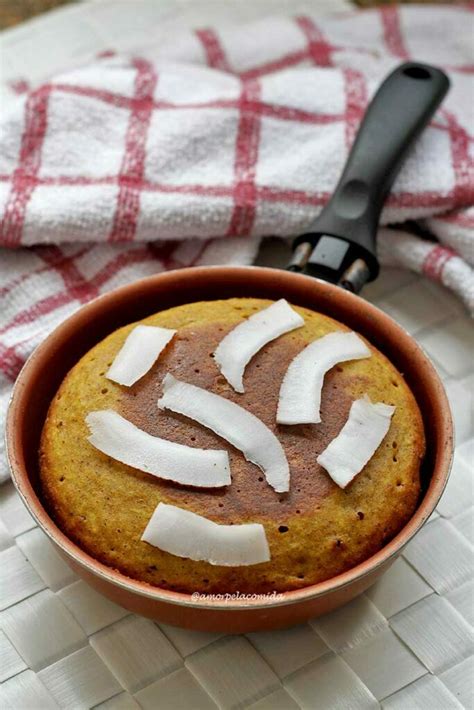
[[315, 531]]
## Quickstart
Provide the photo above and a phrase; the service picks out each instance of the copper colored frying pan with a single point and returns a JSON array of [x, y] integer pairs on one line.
[[340, 247]]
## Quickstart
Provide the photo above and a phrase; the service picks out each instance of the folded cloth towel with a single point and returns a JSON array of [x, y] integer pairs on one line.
[[164, 147], [207, 142]]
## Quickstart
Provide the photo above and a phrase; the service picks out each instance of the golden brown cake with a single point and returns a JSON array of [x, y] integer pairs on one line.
[[315, 531]]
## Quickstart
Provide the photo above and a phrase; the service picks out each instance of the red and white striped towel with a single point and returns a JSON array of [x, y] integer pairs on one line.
[[194, 150], [236, 132]]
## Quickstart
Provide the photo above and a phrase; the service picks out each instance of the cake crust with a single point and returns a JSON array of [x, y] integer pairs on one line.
[[315, 531]]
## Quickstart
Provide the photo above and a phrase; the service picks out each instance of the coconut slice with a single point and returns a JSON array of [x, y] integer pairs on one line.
[[358, 440], [139, 353], [187, 534], [233, 423], [239, 346], [300, 392], [124, 442]]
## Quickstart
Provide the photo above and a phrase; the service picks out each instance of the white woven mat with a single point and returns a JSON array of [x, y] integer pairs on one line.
[[406, 644]]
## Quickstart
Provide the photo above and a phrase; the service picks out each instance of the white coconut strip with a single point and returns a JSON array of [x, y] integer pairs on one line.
[[139, 353], [358, 440], [300, 392], [187, 534], [239, 346], [233, 423], [124, 442]]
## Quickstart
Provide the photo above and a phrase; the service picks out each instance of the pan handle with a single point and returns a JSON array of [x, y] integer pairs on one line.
[[340, 244]]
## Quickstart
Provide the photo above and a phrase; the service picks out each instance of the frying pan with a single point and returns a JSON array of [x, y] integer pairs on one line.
[[339, 250]]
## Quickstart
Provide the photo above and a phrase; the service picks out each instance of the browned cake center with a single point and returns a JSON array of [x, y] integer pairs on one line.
[[190, 359]]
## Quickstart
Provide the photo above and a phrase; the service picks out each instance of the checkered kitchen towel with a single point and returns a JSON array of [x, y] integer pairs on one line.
[[191, 152]]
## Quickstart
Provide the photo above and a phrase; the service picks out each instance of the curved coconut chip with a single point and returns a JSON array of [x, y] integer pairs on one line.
[[187, 534], [358, 440], [300, 392], [123, 441], [239, 346], [139, 353], [233, 423]]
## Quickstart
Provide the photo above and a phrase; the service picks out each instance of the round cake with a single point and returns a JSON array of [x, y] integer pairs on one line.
[[315, 531]]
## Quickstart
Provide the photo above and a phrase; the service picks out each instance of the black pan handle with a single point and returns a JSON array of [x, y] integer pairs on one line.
[[340, 245]]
